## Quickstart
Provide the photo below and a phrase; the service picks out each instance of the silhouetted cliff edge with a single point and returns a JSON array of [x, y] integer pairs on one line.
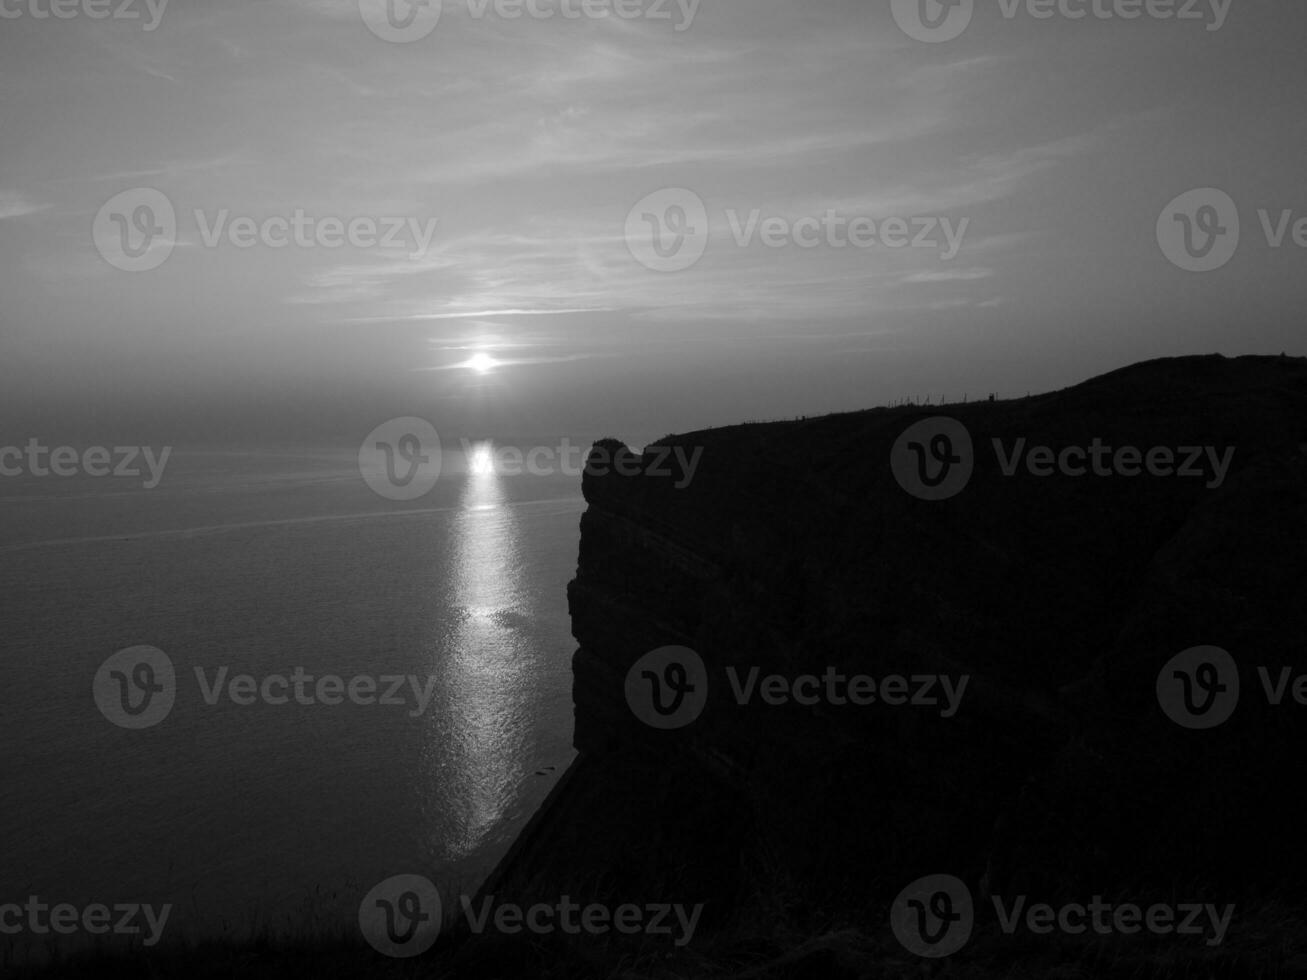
[[793, 549]]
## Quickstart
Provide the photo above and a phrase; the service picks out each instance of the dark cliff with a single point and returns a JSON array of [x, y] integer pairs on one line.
[[794, 549]]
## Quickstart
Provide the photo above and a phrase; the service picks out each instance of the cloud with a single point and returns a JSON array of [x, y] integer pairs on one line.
[[15, 205], [522, 361], [469, 314], [949, 275]]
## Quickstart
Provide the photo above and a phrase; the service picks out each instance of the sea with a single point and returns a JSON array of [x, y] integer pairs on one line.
[[273, 816]]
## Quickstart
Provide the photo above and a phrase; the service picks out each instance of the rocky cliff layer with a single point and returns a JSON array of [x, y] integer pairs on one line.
[[794, 550]]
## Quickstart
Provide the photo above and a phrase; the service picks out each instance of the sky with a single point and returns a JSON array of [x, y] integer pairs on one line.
[[515, 162]]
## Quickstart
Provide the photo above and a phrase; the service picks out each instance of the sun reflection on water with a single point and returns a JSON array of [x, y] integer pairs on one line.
[[486, 676]]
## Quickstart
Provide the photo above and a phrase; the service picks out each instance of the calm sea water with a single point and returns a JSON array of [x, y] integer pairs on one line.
[[271, 816]]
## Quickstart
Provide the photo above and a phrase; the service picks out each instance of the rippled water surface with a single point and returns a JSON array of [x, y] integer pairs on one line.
[[278, 815]]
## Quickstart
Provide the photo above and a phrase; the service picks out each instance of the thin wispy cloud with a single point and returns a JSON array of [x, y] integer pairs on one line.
[[529, 143], [949, 275], [519, 362], [16, 205]]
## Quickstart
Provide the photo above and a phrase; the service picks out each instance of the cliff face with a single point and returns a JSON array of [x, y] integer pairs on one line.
[[794, 550]]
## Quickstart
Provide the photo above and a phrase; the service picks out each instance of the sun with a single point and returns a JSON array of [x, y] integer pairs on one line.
[[481, 363], [481, 461]]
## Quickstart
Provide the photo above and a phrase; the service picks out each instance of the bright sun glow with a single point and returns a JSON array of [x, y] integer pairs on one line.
[[482, 460], [481, 363]]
